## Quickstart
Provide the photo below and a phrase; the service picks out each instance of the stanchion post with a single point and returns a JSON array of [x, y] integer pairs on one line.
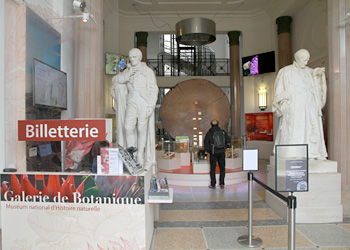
[[250, 207], [250, 240], [292, 205]]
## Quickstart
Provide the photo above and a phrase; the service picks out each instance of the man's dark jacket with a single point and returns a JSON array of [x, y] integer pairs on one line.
[[209, 141]]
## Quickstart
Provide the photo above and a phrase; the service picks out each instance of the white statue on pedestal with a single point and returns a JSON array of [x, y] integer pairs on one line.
[[135, 92], [299, 96]]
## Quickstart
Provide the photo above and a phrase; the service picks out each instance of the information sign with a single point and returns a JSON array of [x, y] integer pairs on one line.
[[250, 159], [296, 175], [291, 168]]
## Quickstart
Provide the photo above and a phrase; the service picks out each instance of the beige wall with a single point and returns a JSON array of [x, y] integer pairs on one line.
[[2, 86]]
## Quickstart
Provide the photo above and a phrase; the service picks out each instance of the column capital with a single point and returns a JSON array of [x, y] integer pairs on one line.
[[234, 37], [141, 38], [283, 24]]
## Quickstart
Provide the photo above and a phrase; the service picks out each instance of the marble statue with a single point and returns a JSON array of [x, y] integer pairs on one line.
[[135, 92], [299, 96]]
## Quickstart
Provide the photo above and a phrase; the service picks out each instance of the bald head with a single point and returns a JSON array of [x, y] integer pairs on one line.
[[214, 123]]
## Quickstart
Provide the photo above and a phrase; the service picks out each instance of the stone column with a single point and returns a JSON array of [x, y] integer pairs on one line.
[[141, 37], [338, 95], [14, 84], [235, 87], [88, 77], [284, 41]]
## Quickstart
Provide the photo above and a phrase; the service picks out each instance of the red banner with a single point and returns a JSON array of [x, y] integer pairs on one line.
[[62, 130]]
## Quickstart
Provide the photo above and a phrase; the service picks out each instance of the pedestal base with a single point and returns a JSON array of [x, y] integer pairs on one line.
[[185, 159], [235, 163], [169, 164], [321, 204], [201, 167], [254, 242]]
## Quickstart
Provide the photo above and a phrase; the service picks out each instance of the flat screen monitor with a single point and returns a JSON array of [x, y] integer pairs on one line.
[[45, 150], [50, 86], [259, 64], [115, 63]]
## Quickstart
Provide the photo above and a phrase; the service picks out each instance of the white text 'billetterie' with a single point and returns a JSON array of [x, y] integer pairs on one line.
[[62, 130]]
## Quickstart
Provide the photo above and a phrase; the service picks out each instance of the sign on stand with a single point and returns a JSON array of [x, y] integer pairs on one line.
[[250, 159], [292, 172]]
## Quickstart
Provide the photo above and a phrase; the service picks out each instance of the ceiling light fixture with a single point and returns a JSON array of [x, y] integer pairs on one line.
[[195, 31], [80, 6], [85, 17]]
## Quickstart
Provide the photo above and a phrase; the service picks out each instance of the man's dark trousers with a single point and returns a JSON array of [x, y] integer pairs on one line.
[[220, 158]]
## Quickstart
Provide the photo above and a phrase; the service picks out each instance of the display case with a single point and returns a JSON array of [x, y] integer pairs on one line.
[[168, 149], [182, 150], [238, 142], [168, 159], [199, 155], [200, 160], [234, 153], [182, 144]]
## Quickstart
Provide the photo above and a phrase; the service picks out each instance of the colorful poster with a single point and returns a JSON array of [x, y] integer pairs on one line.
[[93, 189], [259, 126], [72, 212]]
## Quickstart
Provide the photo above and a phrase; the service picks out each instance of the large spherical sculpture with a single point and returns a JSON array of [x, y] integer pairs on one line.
[[188, 109]]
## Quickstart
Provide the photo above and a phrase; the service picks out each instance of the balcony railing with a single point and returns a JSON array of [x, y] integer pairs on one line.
[[167, 65]]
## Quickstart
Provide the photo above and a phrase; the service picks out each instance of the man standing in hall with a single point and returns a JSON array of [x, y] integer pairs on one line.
[[135, 91], [215, 143]]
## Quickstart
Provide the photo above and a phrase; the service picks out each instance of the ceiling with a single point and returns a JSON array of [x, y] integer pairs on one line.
[[209, 8]]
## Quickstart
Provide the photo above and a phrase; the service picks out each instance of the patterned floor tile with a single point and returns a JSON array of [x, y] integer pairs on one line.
[[325, 235], [179, 238]]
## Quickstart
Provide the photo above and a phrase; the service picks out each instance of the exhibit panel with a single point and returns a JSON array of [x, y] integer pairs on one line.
[[76, 211]]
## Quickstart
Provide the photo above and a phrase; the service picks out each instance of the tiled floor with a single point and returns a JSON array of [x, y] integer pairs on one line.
[[202, 218]]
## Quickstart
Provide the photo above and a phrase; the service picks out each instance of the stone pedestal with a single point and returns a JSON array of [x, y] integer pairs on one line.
[[185, 159], [201, 167], [169, 164], [235, 163], [321, 204]]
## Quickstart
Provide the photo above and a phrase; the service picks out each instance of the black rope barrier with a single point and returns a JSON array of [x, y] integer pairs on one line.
[[253, 241], [271, 190]]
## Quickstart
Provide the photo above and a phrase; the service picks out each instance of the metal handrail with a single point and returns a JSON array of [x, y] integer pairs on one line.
[[167, 65]]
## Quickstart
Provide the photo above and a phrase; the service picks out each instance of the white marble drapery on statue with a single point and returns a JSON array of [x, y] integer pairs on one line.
[[135, 92], [299, 96], [119, 94]]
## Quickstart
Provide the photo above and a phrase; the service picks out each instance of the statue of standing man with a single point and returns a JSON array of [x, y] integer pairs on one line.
[[135, 92], [299, 96]]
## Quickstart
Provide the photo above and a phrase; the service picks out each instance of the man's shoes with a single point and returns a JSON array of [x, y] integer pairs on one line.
[[222, 186], [212, 187]]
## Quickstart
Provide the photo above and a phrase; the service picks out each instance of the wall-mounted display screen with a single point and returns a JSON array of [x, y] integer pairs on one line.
[[45, 150], [259, 64], [50, 86], [115, 63]]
